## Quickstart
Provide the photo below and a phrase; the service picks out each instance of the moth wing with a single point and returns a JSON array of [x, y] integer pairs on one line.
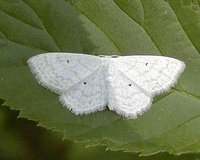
[[89, 95], [155, 74], [127, 98], [60, 71]]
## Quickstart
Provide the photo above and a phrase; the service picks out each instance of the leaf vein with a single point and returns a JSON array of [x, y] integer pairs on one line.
[[46, 29], [141, 26], [21, 20], [183, 28], [19, 43], [111, 40]]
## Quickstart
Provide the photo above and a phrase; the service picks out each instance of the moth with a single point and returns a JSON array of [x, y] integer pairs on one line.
[[87, 83]]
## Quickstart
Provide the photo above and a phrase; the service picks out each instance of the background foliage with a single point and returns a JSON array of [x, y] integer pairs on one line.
[[22, 139], [124, 27]]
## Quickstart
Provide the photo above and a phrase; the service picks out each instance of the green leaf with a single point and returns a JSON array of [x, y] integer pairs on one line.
[[21, 139], [78, 151], [169, 28]]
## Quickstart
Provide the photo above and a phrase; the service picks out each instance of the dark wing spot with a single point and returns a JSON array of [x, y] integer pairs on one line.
[[146, 64], [130, 85], [85, 83], [67, 61]]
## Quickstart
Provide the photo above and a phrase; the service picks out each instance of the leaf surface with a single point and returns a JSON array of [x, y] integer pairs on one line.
[[124, 27]]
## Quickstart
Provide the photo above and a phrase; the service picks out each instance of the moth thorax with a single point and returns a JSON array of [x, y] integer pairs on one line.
[[108, 56]]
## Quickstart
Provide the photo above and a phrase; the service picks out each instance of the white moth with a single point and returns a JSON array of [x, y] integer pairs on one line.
[[86, 83]]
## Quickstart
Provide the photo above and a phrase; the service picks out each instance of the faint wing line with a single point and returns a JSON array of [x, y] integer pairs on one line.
[[142, 89]]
